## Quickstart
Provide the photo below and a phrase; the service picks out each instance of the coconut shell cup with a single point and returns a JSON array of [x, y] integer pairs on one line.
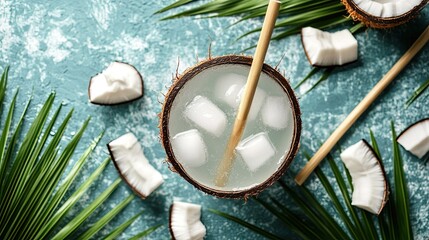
[[189, 74]]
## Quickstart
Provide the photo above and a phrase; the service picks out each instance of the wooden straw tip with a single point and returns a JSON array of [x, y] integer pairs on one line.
[[299, 180]]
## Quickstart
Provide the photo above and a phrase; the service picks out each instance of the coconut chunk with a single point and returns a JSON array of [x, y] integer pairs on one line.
[[133, 166], [185, 223], [383, 13], [368, 177], [415, 138], [118, 83], [329, 49]]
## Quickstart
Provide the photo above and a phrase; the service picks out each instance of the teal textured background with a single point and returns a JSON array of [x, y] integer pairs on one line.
[[59, 45]]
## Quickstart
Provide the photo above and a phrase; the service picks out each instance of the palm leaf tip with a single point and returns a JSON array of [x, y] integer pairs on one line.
[[401, 192], [3, 83], [417, 93]]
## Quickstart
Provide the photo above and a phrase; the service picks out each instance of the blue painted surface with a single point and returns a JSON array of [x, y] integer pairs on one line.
[[59, 45]]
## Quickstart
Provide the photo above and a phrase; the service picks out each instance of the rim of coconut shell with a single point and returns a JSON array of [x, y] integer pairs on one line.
[[120, 103], [386, 185], [381, 22], [190, 73]]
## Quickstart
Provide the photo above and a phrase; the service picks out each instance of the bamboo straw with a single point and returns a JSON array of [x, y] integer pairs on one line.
[[247, 98], [361, 107]]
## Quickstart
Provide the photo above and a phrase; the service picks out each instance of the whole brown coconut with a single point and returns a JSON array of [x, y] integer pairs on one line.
[[190, 73], [377, 17]]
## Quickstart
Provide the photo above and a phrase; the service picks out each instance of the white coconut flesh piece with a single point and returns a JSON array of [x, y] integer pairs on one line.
[[368, 177], [329, 49], [415, 138], [185, 223], [118, 83], [386, 8], [133, 166]]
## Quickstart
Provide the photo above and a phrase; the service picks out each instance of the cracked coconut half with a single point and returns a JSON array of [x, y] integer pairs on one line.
[[383, 13], [118, 83], [370, 190], [185, 223], [415, 138], [324, 49], [132, 165]]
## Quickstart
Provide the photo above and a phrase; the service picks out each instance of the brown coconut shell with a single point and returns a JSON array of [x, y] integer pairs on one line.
[[190, 73], [379, 22]]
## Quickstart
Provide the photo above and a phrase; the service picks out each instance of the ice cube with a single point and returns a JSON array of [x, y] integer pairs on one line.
[[189, 148], [258, 100], [256, 150], [228, 87], [275, 112], [206, 115]]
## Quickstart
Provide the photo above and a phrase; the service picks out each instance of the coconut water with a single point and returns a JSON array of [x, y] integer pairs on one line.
[[201, 121]]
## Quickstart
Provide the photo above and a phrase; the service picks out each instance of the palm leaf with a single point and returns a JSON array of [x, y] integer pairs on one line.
[[71, 201], [3, 140], [250, 226], [175, 5], [335, 201], [294, 14], [145, 232], [115, 232], [106, 218], [308, 76], [401, 192], [326, 73], [293, 222], [417, 93], [3, 83], [33, 181], [83, 215], [318, 216]]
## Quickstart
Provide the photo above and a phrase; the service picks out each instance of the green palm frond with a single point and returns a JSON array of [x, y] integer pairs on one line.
[[312, 220], [294, 14], [417, 93], [33, 178], [326, 73], [145, 232]]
